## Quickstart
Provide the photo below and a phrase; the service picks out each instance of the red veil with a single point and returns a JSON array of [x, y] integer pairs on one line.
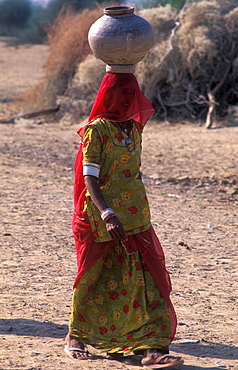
[[108, 105], [107, 102]]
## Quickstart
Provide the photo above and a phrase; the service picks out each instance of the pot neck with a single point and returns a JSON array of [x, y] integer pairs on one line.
[[118, 10]]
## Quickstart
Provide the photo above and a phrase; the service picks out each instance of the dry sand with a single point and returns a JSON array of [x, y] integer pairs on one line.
[[191, 180]]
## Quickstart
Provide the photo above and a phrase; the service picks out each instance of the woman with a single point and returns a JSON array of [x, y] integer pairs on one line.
[[121, 294]]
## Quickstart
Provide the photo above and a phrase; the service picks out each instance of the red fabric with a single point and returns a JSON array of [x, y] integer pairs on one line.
[[87, 250], [108, 103], [79, 185], [147, 243]]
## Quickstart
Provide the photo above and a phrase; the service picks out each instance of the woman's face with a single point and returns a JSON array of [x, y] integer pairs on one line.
[[120, 99], [126, 96]]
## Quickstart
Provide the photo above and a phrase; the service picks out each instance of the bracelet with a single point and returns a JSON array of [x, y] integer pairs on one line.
[[106, 212], [109, 217]]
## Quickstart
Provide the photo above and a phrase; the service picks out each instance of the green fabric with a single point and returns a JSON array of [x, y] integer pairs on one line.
[[122, 188], [117, 306]]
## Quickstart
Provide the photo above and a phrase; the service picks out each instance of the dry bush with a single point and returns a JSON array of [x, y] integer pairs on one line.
[[232, 20], [187, 71], [68, 40], [201, 13], [196, 48], [76, 103], [201, 69], [197, 37], [90, 72], [68, 47], [150, 70], [231, 24], [162, 20]]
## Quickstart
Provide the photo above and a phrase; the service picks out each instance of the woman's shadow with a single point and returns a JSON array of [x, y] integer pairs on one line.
[[204, 349], [26, 327], [36, 328]]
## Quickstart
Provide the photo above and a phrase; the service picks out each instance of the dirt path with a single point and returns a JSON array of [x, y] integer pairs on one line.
[[191, 180], [21, 66]]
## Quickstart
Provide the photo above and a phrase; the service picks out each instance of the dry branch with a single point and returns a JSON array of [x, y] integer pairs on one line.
[[211, 114], [177, 24], [31, 114]]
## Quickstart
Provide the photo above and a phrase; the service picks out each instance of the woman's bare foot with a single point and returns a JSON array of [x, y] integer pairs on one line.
[[75, 349], [150, 355]]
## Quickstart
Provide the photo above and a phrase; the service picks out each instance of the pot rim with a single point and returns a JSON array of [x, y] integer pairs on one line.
[[118, 10]]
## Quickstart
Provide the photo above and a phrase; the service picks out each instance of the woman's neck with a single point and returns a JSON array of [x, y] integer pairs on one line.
[[126, 126]]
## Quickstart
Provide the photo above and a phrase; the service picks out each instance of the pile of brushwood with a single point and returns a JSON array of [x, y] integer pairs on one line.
[[191, 73]]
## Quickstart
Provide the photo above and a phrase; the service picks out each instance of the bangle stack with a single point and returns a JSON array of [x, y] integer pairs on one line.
[[106, 214]]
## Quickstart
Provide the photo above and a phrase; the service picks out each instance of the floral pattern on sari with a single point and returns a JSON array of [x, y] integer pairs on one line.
[[117, 307]]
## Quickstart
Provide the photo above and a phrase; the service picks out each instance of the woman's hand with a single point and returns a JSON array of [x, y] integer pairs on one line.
[[115, 229]]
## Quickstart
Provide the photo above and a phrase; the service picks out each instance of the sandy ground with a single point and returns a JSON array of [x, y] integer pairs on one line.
[[191, 180]]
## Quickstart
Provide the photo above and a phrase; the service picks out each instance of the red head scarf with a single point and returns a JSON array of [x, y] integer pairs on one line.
[[119, 99]]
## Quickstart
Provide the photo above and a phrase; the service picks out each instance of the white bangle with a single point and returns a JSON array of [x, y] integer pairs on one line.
[[91, 169], [106, 212]]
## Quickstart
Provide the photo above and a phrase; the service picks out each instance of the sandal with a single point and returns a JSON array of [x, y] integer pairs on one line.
[[75, 352], [164, 361], [116, 355]]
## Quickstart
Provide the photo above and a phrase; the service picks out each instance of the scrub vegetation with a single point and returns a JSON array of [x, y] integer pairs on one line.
[[191, 73]]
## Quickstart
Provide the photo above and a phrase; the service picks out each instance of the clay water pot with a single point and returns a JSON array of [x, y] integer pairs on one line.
[[120, 38]]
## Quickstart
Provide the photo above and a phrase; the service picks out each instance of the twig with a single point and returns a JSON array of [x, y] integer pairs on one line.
[[219, 85], [31, 114], [177, 24], [174, 29], [152, 80], [211, 114], [162, 104]]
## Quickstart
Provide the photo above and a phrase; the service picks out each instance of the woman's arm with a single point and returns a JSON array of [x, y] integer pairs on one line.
[[114, 227]]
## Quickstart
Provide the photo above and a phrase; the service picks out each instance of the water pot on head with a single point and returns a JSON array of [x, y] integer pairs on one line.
[[120, 38]]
